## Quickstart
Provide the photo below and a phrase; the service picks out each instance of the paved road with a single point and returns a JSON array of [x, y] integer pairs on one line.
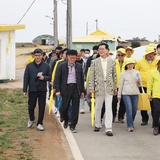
[[89, 145], [140, 144]]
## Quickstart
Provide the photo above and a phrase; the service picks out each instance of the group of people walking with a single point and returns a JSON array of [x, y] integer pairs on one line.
[[114, 82]]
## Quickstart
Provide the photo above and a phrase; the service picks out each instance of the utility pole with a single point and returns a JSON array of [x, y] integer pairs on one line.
[[55, 24], [69, 24], [96, 24], [86, 28]]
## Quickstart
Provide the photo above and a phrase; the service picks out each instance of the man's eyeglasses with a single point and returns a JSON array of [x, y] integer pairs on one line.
[[120, 55]]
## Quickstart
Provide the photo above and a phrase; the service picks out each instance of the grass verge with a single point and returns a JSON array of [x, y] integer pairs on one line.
[[14, 142]]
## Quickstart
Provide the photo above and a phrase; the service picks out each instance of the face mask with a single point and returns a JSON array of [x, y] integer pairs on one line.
[[87, 55]]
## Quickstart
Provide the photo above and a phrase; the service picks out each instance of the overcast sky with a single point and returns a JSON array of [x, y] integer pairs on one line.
[[124, 18]]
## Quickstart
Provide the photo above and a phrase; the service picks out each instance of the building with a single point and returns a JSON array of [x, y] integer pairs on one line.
[[7, 51], [88, 41]]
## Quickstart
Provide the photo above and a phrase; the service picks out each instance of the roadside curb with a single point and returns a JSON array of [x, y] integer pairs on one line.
[[70, 139]]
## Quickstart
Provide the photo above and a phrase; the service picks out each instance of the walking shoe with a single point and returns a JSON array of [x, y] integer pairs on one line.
[[96, 129], [155, 131], [109, 133], [120, 120], [73, 130], [65, 125], [55, 111], [40, 127], [130, 129], [144, 123], [58, 114], [30, 123], [82, 111]]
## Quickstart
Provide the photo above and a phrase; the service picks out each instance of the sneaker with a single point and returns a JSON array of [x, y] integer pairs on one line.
[[144, 123], [58, 114], [30, 123], [130, 129], [55, 111], [155, 131], [82, 111], [40, 127], [73, 130], [120, 120]]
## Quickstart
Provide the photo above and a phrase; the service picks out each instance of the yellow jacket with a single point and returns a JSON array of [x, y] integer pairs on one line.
[[145, 68], [31, 59], [153, 84], [54, 70], [118, 72]]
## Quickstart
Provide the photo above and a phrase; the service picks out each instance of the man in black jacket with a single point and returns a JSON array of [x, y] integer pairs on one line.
[[69, 83], [36, 75]]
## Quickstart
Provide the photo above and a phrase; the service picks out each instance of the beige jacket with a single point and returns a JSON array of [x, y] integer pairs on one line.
[[128, 84], [96, 77]]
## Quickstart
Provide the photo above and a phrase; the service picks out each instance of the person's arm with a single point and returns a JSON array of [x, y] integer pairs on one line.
[[57, 79], [91, 77], [120, 87], [114, 75], [25, 80]]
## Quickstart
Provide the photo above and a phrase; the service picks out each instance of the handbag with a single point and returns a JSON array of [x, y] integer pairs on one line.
[[143, 101]]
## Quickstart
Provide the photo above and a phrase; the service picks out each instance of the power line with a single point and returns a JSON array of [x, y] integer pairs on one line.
[[26, 12]]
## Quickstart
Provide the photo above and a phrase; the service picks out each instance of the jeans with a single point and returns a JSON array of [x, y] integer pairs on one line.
[[130, 102]]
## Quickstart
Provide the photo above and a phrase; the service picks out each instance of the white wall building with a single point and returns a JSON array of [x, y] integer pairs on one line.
[[7, 51]]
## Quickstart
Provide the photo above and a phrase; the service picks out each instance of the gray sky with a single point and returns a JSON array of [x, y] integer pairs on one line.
[[124, 18]]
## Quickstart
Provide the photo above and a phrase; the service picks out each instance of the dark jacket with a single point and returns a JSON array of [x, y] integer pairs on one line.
[[88, 63], [31, 80], [60, 82]]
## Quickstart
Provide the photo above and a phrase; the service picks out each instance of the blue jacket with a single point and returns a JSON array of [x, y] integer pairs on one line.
[[31, 80]]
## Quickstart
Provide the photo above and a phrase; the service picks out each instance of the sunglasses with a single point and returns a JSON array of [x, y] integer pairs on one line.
[[120, 55]]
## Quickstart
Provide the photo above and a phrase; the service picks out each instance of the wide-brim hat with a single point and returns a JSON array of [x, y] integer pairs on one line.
[[130, 48], [154, 46], [110, 52], [122, 50], [158, 59], [128, 61], [149, 50]]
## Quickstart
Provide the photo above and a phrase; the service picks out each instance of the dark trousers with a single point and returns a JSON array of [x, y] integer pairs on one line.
[[71, 94], [156, 112], [144, 114], [122, 109], [33, 96]]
